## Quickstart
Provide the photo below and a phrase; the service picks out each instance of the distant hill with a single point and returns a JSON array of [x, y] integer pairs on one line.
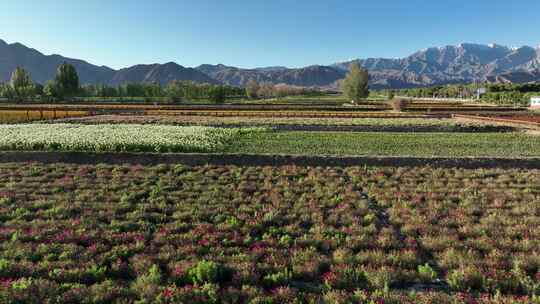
[[43, 68], [312, 76], [463, 63], [516, 77], [161, 73]]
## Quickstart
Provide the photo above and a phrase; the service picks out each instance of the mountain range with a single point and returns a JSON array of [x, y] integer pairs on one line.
[[463, 63]]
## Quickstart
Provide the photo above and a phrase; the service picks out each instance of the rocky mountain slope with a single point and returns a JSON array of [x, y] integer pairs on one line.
[[451, 64], [312, 76], [463, 63], [43, 68], [161, 73]]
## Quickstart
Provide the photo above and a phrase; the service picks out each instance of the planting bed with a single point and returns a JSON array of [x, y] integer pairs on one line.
[[163, 138], [228, 234], [17, 116], [135, 138], [193, 107], [156, 138], [404, 124], [389, 144], [534, 118]]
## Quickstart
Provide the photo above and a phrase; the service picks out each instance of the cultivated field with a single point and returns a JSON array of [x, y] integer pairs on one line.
[[213, 234], [288, 222], [18, 116], [397, 123], [133, 138]]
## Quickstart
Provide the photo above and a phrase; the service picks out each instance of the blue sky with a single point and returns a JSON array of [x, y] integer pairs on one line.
[[251, 33]]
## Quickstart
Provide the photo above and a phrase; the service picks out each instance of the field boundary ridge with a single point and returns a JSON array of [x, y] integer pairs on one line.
[[194, 159]]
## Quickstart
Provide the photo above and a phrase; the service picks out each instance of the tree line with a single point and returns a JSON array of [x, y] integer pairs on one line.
[[354, 86], [265, 90], [498, 93], [66, 86], [21, 87], [176, 91]]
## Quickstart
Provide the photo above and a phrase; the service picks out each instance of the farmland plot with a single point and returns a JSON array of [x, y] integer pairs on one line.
[[227, 234], [133, 138], [284, 123], [18, 116]]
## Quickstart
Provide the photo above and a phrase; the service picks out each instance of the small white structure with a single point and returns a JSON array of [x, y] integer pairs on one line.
[[480, 92], [535, 102]]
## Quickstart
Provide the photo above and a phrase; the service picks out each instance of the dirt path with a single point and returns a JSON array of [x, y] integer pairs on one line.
[[264, 160]]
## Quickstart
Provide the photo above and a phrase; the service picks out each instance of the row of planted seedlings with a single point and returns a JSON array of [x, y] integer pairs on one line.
[[199, 234], [225, 234], [477, 228]]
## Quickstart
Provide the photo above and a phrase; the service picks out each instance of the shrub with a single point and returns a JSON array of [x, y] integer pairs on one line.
[[106, 292], [205, 294], [279, 278], [28, 290], [426, 273], [399, 104], [380, 278], [466, 279], [147, 285], [337, 297], [208, 272], [345, 276]]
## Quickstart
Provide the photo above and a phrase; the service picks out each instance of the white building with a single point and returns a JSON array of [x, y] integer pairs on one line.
[[535, 102]]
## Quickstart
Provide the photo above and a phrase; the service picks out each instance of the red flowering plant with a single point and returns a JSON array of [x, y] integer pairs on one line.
[[238, 234]]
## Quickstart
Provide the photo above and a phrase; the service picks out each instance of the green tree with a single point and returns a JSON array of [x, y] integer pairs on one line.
[[38, 89], [66, 81], [355, 85], [22, 85], [175, 91], [50, 91], [152, 89], [266, 90], [217, 94], [6, 91], [252, 89]]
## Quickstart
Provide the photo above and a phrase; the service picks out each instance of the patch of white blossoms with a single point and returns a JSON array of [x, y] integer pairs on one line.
[[117, 137]]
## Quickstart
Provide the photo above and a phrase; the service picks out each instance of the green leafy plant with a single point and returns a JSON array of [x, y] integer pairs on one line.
[[466, 279], [426, 273], [208, 272]]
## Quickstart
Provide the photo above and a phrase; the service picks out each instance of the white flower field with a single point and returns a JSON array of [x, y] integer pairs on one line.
[[116, 137]]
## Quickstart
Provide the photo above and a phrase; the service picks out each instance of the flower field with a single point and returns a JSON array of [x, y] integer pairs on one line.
[[228, 234], [412, 124], [133, 138], [201, 139]]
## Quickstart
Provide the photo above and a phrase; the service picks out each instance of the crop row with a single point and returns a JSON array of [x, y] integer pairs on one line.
[[294, 123], [480, 229], [71, 137], [226, 234], [390, 144], [298, 113], [344, 113], [195, 107], [16, 116]]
